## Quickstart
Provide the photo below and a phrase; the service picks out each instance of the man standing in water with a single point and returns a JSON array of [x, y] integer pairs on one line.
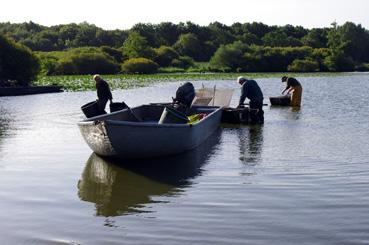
[[251, 90], [294, 88], [103, 93]]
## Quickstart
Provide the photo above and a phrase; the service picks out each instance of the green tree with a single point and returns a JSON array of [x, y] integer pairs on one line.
[[316, 38], [136, 46], [229, 57], [280, 39], [356, 39], [18, 64], [188, 45], [337, 60]]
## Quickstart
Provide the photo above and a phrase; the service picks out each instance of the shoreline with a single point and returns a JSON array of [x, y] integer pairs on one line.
[[17, 91]]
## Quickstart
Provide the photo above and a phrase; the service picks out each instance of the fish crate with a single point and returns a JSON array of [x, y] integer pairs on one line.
[[236, 115]]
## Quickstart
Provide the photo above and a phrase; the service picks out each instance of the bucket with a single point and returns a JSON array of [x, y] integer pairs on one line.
[[280, 100], [171, 115], [90, 109], [235, 115], [117, 106]]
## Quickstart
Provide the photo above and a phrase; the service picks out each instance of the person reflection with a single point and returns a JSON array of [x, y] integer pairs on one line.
[[120, 187], [251, 143]]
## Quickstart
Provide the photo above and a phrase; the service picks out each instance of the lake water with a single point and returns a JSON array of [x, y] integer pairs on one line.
[[302, 178]]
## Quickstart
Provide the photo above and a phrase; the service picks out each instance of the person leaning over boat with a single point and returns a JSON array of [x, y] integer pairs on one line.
[[251, 90], [103, 93], [294, 88]]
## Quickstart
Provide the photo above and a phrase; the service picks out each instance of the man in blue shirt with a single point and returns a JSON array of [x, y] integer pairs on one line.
[[251, 90]]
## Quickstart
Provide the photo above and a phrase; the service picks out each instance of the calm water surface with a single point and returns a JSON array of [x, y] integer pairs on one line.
[[302, 178]]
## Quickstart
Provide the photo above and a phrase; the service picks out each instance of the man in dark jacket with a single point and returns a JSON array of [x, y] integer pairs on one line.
[[251, 90], [103, 93]]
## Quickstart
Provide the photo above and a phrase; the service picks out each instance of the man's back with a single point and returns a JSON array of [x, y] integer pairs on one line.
[[252, 91]]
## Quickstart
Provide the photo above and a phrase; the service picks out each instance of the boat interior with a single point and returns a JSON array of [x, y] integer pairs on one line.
[[148, 113]]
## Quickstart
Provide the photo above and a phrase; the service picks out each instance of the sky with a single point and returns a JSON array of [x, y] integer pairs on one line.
[[123, 14]]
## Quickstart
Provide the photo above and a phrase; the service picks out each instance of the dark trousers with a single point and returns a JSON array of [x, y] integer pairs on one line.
[[101, 103], [256, 112]]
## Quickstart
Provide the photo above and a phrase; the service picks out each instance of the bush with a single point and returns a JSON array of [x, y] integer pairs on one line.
[[339, 62], [140, 65], [48, 62], [306, 65], [86, 63], [165, 55], [183, 62], [171, 70], [267, 59], [113, 52], [17, 63], [362, 67]]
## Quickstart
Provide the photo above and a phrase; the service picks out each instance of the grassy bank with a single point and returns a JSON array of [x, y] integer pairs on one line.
[[85, 82]]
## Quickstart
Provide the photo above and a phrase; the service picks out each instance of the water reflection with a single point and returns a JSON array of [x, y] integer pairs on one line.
[[4, 123], [250, 143], [289, 113], [120, 187]]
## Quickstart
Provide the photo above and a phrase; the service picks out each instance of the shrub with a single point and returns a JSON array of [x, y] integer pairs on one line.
[[113, 52], [86, 63], [140, 65], [362, 67], [182, 62], [48, 62], [17, 63], [171, 70], [165, 55], [266, 59], [306, 65]]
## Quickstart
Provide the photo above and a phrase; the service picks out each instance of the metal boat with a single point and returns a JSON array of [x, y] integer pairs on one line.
[[120, 134]]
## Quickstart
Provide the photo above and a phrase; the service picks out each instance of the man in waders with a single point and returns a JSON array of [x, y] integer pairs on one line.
[[251, 90], [294, 88], [103, 93]]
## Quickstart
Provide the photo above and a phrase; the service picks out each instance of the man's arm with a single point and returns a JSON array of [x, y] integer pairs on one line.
[[243, 96], [284, 90]]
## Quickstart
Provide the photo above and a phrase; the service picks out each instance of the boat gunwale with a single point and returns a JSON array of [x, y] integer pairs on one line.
[[92, 121], [157, 125]]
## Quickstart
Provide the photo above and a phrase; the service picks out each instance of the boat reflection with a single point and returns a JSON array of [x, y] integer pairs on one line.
[[120, 187]]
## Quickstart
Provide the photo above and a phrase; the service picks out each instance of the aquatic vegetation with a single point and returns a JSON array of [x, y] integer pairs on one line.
[[124, 81]]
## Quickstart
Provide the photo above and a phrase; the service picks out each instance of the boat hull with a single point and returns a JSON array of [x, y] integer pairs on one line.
[[108, 135]]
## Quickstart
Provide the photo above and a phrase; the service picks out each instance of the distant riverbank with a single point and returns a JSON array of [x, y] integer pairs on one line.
[[15, 91], [85, 82]]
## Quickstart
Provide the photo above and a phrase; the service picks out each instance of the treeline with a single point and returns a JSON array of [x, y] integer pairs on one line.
[[148, 48]]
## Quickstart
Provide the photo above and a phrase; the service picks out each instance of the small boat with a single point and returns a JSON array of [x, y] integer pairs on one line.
[[137, 133]]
